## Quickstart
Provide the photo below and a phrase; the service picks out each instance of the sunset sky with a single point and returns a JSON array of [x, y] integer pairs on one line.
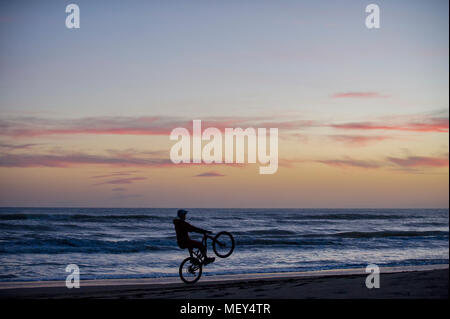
[[363, 114]]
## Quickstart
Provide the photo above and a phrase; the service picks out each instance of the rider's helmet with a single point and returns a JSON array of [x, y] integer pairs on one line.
[[182, 213]]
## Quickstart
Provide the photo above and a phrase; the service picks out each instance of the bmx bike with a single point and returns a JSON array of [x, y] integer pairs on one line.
[[191, 268]]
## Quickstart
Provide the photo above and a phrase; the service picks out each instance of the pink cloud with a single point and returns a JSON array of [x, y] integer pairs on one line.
[[290, 162], [350, 163], [36, 127], [16, 146], [430, 125], [357, 140], [420, 161], [63, 159], [302, 138]]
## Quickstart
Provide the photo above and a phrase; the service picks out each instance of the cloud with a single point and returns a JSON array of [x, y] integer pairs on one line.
[[420, 161], [36, 127], [77, 159], [356, 94], [33, 127], [408, 164], [11, 147], [290, 162], [128, 180], [65, 159], [119, 189], [209, 174], [439, 125], [301, 138], [357, 140], [115, 174], [345, 163], [28, 127], [340, 163]]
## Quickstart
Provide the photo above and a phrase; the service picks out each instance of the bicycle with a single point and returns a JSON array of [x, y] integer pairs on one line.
[[191, 268]]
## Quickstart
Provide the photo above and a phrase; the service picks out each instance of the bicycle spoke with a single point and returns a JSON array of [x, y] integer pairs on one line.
[[225, 246], [190, 270]]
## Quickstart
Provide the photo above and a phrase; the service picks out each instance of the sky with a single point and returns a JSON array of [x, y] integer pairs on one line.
[[363, 114]]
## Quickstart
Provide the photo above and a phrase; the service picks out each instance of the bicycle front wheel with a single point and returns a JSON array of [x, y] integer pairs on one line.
[[223, 244], [190, 270]]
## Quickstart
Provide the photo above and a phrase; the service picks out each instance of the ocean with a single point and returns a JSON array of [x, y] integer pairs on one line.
[[38, 243]]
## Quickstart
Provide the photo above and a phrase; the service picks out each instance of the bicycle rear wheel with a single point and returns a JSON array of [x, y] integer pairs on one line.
[[190, 270], [223, 244]]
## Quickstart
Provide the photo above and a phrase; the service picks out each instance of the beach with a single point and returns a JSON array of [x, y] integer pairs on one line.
[[395, 283]]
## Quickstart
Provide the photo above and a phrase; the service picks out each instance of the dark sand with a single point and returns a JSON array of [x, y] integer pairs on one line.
[[399, 284]]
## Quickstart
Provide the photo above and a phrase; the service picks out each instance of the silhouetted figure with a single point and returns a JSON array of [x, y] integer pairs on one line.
[[183, 228]]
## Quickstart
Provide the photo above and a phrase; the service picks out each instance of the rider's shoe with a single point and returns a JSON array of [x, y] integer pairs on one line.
[[195, 261], [209, 260]]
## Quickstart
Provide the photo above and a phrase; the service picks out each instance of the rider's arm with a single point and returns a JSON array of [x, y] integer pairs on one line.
[[191, 228]]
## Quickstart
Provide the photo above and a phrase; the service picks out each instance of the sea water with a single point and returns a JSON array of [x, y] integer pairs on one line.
[[38, 243]]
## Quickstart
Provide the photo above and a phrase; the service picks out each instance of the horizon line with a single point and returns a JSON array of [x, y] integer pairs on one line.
[[175, 208]]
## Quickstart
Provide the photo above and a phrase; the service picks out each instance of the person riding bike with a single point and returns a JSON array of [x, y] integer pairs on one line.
[[183, 228]]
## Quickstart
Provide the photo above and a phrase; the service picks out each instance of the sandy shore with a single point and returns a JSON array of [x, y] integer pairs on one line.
[[396, 282]]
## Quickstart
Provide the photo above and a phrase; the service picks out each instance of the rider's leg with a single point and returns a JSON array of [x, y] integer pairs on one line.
[[199, 246], [202, 248]]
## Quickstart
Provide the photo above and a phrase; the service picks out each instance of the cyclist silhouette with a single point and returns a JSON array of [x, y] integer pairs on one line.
[[183, 228]]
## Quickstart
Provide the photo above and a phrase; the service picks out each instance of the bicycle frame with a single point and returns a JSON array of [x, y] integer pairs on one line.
[[196, 261], [197, 253]]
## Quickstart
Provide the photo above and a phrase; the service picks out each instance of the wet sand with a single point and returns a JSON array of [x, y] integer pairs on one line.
[[395, 282]]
